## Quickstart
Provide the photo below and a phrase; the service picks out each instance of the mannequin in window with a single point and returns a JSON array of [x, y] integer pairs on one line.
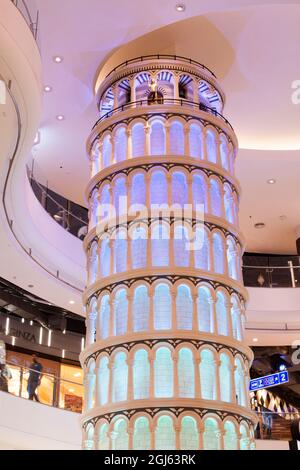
[[155, 96]]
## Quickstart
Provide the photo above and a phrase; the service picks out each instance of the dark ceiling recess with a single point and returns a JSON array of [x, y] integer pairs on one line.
[[20, 303], [268, 360]]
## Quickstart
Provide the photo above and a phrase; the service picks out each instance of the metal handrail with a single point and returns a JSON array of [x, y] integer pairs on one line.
[[48, 196], [52, 376], [161, 56], [33, 25], [269, 267], [7, 176], [176, 101]]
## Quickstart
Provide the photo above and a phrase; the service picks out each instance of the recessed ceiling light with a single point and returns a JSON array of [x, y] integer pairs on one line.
[[71, 390], [48, 88], [78, 374], [60, 117], [255, 340], [260, 225], [271, 181], [180, 7], [72, 302], [57, 59]]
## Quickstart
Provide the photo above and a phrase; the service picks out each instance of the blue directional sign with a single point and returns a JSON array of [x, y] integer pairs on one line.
[[269, 381]]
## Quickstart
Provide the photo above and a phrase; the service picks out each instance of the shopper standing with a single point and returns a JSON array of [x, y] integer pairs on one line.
[[35, 377]]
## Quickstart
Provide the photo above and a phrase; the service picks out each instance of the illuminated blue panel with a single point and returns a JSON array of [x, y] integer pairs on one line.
[[176, 138], [218, 249], [222, 319], [141, 305], [120, 378], [142, 434], [141, 375], [184, 308], [186, 373], [160, 245], [162, 307], [189, 435], [165, 434], [163, 373]]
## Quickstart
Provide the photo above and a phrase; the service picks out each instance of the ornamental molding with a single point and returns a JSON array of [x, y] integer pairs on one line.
[[109, 230], [174, 342], [175, 410], [146, 116], [172, 278], [190, 167]]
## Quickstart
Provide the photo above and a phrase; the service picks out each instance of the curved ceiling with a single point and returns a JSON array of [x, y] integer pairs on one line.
[[250, 45]]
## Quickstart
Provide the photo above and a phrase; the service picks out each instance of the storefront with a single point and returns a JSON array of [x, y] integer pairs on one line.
[[61, 383]]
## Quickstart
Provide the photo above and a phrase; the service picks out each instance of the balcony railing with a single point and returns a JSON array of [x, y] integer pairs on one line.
[[160, 57], [30, 14], [171, 101], [52, 391], [271, 271], [69, 215], [275, 425]]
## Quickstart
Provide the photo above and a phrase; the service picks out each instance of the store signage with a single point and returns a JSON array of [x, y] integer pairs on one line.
[[18, 332], [269, 381]]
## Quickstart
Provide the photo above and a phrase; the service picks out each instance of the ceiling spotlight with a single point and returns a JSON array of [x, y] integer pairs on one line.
[[78, 374], [255, 340], [271, 181], [48, 88], [60, 117], [180, 7], [57, 59], [72, 302], [260, 225]]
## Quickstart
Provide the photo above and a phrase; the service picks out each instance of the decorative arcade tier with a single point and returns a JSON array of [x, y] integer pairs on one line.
[[165, 364]]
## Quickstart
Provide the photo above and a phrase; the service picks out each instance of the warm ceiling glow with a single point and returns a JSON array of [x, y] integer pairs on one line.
[[60, 117], [271, 181], [47, 88], [72, 302], [255, 340]]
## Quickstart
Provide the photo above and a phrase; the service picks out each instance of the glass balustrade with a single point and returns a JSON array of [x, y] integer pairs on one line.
[[53, 390]]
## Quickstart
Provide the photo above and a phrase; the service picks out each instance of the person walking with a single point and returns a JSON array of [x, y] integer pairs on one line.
[[35, 377], [5, 376]]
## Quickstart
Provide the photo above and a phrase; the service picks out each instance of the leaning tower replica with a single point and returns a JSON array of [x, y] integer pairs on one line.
[[165, 362]]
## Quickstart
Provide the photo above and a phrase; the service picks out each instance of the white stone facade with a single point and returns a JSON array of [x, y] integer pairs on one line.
[[165, 363]]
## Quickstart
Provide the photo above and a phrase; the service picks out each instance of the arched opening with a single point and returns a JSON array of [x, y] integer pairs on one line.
[[141, 375], [189, 435], [203, 307], [186, 373], [139, 247], [142, 434], [165, 434], [208, 374], [121, 437], [211, 439], [141, 305], [104, 317], [160, 239], [120, 377], [121, 312], [222, 317], [163, 373], [230, 436], [162, 308], [184, 308]]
